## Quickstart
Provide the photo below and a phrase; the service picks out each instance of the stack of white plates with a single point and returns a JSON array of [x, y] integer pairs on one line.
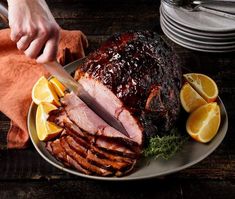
[[198, 30]]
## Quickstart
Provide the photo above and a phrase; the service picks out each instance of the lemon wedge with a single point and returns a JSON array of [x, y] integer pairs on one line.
[[203, 124], [43, 91], [46, 130], [204, 85], [58, 86]]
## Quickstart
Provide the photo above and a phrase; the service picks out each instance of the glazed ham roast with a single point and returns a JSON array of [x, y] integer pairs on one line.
[[136, 77]]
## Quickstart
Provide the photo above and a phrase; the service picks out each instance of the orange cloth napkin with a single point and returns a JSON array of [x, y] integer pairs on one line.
[[18, 75]]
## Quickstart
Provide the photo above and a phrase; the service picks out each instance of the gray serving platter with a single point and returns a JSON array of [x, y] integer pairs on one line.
[[191, 153]]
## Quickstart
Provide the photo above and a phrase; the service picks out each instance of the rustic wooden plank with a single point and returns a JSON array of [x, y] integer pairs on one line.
[[27, 165], [91, 189], [208, 189], [109, 26], [3, 117], [99, 19], [157, 188], [103, 17], [4, 126]]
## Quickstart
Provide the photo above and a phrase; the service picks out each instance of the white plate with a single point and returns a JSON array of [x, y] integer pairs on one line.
[[198, 43], [193, 39], [195, 35], [199, 20], [192, 152], [182, 43]]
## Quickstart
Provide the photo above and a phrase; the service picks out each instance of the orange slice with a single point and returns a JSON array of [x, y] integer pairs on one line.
[[190, 99], [44, 92], [46, 130], [204, 85], [58, 86], [203, 124]]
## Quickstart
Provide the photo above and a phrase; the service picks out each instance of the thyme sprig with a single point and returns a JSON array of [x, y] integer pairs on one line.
[[165, 146]]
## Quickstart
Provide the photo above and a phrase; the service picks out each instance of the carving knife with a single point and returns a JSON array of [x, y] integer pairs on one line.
[[56, 70]]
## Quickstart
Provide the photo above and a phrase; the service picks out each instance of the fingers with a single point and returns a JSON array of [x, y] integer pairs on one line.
[[17, 31], [28, 36], [24, 42], [23, 38], [35, 47], [16, 35], [46, 39], [33, 40], [50, 51]]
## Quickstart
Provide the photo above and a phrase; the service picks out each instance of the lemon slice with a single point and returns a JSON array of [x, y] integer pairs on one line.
[[58, 86], [44, 92], [190, 99], [46, 130], [203, 124], [204, 85]]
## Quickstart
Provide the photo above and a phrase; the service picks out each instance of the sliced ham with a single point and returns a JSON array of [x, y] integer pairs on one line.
[[83, 161], [87, 158], [114, 106], [90, 156], [105, 162], [115, 147], [81, 115], [110, 156], [58, 151]]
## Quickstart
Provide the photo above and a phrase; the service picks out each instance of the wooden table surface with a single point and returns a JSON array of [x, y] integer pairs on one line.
[[24, 174]]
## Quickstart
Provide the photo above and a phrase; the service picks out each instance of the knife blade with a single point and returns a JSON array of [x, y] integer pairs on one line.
[[56, 70]]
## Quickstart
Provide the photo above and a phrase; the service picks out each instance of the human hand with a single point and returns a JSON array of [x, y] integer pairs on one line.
[[34, 29]]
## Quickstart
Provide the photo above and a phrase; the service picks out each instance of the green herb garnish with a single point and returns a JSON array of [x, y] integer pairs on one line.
[[165, 146]]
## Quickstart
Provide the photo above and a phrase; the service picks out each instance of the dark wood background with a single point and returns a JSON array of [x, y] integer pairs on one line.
[[24, 174]]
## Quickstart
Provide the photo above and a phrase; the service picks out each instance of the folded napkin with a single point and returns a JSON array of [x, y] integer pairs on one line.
[[18, 74]]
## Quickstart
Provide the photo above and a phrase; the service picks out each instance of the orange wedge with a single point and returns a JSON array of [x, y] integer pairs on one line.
[[46, 130], [204, 85], [203, 124], [44, 92], [58, 86], [190, 99]]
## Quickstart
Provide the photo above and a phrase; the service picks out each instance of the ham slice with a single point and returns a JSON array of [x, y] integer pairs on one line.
[[81, 115], [75, 152], [113, 105]]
